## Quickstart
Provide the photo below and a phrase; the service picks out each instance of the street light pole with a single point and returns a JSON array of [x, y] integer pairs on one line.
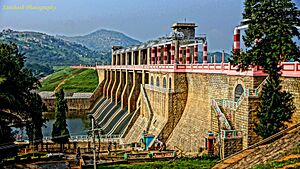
[[33, 139], [94, 148]]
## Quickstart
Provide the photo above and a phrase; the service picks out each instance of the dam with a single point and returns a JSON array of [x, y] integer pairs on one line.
[[165, 88]]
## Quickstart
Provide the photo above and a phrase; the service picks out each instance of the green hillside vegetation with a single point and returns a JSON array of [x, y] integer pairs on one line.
[[44, 51], [85, 81], [72, 80]]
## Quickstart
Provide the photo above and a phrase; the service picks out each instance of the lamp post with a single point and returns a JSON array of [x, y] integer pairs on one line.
[[93, 135], [33, 139]]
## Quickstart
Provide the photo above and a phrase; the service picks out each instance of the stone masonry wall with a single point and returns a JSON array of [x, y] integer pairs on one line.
[[75, 105], [197, 117], [177, 100], [182, 115], [157, 101], [140, 125], [231, 146], [167, 101], [292, 85], [241, 117]]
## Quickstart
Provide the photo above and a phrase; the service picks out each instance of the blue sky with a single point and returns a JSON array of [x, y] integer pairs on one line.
[[140, 19]]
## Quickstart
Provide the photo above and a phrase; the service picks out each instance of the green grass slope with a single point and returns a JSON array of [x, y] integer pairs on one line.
[[72, 80], [191, 163]]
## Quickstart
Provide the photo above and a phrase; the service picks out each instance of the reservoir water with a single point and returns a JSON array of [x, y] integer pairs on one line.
[[77, 125]]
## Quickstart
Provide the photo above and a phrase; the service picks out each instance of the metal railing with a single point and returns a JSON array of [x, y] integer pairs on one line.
[[220, 114], [87, 138], [231, 134], [247, 93]]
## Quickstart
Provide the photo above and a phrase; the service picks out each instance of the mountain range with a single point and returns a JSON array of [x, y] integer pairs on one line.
[[43, 51], [102, 40]]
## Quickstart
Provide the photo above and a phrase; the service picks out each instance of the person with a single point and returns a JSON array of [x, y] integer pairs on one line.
[[115, 145], [143, 139], [109, 148], [78, 156], [159, 143], [164, 147]]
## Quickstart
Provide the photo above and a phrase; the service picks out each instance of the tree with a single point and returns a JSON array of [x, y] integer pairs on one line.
[[268, 42], [16, 86], [276, 107], [34, 128], [60, 132]]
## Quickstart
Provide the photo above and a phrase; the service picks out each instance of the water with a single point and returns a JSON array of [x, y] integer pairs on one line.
[[76, 126]]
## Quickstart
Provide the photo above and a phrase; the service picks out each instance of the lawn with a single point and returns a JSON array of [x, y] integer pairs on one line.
[[72, 80], [178, 163]]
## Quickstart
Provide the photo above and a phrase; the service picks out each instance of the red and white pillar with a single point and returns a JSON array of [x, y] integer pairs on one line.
[[165, 54], [158, 54], [195, 54], [152, 55], [236, 41], [205, 52], [223, 56], [180, 56], [187, 55], [172, 53]]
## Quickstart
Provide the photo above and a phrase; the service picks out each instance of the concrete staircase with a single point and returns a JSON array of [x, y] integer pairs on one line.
[[272, 148]]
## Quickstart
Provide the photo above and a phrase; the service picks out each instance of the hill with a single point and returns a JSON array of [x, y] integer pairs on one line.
[[72, 80], [102, 40], [44, 51], [211, 56]]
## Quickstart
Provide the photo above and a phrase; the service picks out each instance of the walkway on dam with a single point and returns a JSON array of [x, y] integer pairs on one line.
[[289, 69]]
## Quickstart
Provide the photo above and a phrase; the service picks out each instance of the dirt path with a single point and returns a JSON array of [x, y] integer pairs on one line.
[[59, 85]]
